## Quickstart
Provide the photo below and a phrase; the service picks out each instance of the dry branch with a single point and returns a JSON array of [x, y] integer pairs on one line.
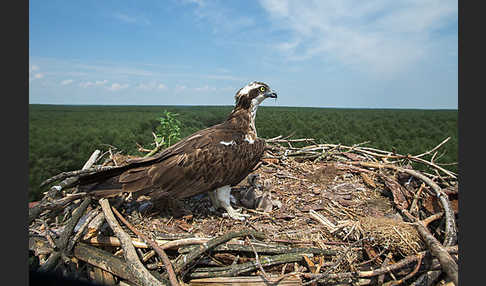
[[448, 264], [233, 270], [155, 246], [136, 268], [187, 259], [63, 240], [103, 260]]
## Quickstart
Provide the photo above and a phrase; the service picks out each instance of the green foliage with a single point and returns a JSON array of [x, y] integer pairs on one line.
[[61, 138], [169, 130]]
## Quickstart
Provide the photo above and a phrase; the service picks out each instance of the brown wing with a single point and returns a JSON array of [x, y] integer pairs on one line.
[[199, 164], [133, 168]]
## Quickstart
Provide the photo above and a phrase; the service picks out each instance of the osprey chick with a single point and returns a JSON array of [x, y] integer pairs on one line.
[[211, 160]]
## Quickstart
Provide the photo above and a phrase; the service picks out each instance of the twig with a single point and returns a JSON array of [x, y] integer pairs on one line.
[[257, 260], [49, 236], [63, 240], [187, 259], [432, 218], [386, 261], [48, 205], [448, 264], [77, 236], [104, 260], [136, 268], [155, 246], [234, 270], [409, 275], [433, 149], [413, 206]]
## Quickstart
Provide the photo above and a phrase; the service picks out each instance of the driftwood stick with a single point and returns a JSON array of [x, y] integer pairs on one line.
[[278, 140], [77, 236], [92, 159], [63, 240], [433, 149], [155, 246], [136, 268], [68, 229], [187, 259], [68, 182], [233, 270], [408, 276], [289, 279], [94, 225], [164, 244], [428, 278], [257, 260], [103, 260], [273, 249], [413, 205], [52, 205], [386, 261], [432, 218], [446, 261]]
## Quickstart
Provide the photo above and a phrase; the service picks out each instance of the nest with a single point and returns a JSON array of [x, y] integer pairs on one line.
[[392, 234], [319, 213]]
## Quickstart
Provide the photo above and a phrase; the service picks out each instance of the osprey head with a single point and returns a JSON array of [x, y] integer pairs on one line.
[[253, 94]]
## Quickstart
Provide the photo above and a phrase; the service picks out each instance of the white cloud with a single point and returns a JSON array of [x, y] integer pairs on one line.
[[161, 86], [86, 84], [101, 82], [152, 85], [34, 68], [222, 18], [205, 88], [131, 19], [180, 88], [117, 86], [380, 35], [66, 81]]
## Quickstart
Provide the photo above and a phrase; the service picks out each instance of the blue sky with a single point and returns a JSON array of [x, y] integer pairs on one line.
[[321, 53]]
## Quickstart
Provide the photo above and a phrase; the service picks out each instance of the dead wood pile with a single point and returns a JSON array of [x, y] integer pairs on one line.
[[319, 214]]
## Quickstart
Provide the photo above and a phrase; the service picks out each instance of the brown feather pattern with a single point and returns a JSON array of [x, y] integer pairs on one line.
[[208, 159]]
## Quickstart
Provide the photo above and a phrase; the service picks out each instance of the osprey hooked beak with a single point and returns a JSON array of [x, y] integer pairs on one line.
[[270, 93]]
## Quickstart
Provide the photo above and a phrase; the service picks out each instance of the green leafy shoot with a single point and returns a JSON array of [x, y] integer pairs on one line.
[[169, 130]]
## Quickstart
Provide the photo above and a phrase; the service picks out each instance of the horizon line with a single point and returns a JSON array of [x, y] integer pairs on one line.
[[215, 105]]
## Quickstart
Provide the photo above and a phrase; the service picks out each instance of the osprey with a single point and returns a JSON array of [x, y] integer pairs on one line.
[[211, 160]]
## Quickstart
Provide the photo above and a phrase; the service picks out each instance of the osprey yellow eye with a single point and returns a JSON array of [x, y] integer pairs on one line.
[[262, 88]]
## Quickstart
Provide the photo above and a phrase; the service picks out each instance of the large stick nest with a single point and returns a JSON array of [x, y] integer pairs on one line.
[[322, 213]]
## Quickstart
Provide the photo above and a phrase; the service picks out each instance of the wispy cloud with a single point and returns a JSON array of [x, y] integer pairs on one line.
[[101, 82], [220, 16], [152, 85], [131, 19], [86, 84], [67, 82], [380, 36], [117, 86]]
